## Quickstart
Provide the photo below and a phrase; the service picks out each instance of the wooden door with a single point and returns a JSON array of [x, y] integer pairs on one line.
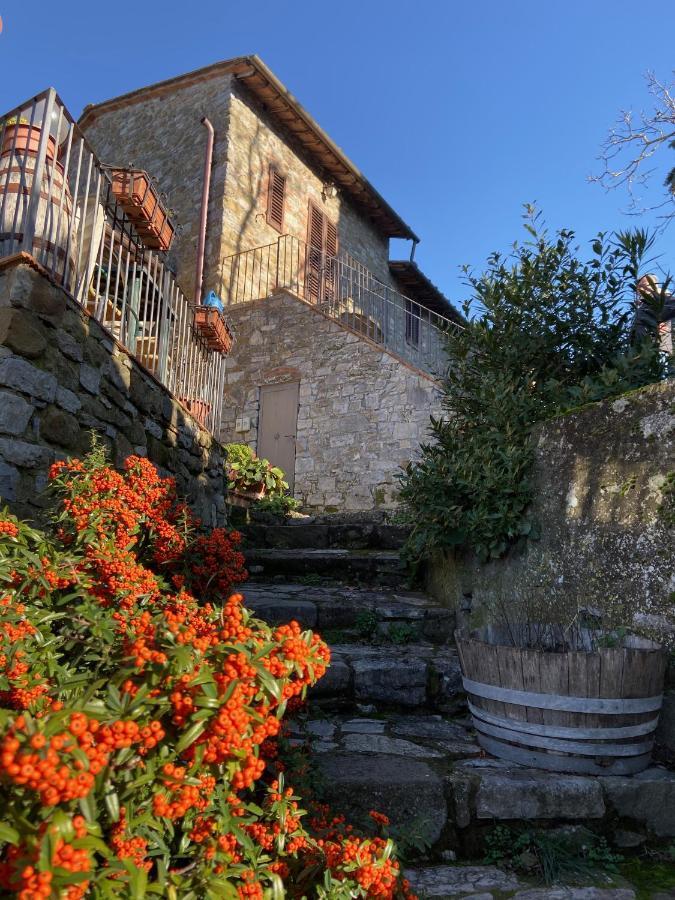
[[278, 425]]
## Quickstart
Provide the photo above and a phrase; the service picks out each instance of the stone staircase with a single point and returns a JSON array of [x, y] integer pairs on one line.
[[388, 727]]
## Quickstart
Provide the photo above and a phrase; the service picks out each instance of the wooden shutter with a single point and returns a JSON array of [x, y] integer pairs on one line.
[[315, 243], [322, 247], [276, 195], [330, 270]]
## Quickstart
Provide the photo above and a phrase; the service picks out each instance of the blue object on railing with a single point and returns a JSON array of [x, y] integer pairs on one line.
[[212, 299]]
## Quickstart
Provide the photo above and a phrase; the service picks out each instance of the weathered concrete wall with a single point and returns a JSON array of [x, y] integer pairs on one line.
[[62, 376], [598, 478], [163, 135], [362, 413]]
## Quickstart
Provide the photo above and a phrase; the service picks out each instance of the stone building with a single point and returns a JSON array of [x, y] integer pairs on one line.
[[334, 371]]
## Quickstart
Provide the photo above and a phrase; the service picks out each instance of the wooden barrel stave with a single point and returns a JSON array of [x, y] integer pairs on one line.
[[591, 712]]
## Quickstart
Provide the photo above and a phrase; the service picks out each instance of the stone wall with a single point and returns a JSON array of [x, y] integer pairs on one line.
[[597, 478], [61, 377], [254, 142], [362, 413], [164, 135]]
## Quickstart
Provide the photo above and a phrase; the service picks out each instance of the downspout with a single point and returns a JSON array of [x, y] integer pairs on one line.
[[208, 158]]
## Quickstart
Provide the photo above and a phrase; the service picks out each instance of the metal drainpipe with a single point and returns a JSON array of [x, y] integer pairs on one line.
[[208, 158]]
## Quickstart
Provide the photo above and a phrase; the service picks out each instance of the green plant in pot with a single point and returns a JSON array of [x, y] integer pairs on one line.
[[251, 476]]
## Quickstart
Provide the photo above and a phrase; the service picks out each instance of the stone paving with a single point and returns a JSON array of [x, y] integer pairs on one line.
[[389, 730]]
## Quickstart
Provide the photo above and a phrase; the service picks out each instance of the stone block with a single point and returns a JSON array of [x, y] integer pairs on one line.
[[22, 332], [68, 400], [59, 427], [578, 893], [504, 793], [22, 376], [457, 881], [33, 292], [648, 798], [25, 455], [665, 734], [386, 679], [336, 682], [15, 413], [9, 481], [69, 345], [90, 378], [407, 790], [381, 743]]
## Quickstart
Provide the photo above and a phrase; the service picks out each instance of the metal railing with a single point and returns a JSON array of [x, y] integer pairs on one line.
[[57, 204], [346, 291]]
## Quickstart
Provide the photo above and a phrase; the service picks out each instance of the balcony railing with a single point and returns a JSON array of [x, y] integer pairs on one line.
[[57, 204], [343, 289]]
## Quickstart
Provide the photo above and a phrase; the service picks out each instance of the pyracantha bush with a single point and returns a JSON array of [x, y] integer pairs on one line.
[[139, 706]]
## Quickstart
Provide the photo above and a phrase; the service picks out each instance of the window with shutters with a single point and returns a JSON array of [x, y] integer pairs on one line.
[[322, 247], [276, 196]]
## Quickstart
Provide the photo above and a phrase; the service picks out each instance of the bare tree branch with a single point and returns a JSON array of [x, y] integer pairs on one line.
[[631, 144]]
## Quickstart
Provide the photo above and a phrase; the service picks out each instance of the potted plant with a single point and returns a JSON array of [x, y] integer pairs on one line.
[[567, 693], [250, 478]]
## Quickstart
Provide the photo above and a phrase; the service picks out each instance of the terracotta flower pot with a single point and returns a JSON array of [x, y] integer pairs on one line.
[[138, 198], [23, 138], [198, 409], [212, 326]]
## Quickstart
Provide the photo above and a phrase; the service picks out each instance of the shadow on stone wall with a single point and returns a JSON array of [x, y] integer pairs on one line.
[[63, 376]]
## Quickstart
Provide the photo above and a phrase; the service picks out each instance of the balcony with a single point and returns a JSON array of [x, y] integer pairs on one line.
[[58, 204], [343, 289]]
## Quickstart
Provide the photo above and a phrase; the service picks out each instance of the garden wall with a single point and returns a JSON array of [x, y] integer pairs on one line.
[[598, 477], [598, 500], [62, 376]]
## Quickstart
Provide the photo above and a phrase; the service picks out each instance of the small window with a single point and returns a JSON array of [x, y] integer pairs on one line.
[[412, 323], [276, 195]]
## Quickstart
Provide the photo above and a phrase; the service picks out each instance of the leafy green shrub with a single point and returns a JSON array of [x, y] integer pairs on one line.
[[278, 506], [402, 633], [366, 624], [140, 704], [552, 332]]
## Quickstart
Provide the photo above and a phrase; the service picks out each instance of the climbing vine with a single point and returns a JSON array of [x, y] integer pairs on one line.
[[547, 331]]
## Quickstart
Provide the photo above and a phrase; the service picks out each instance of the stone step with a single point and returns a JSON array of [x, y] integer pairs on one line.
[[329, 608], [489, 882], [428, 774], [490, 790], [377, 567], [420, 675], [298, 535]]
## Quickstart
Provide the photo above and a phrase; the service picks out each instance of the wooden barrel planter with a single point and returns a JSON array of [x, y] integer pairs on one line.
[[55, 204], [587, 709]]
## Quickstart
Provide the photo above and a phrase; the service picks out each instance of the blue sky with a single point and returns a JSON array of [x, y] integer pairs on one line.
[[457, 112]]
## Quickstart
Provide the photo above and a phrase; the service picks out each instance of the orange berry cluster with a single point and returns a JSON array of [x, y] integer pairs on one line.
[[182, 797], [125, 847], [54, 767], [8, 529]]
